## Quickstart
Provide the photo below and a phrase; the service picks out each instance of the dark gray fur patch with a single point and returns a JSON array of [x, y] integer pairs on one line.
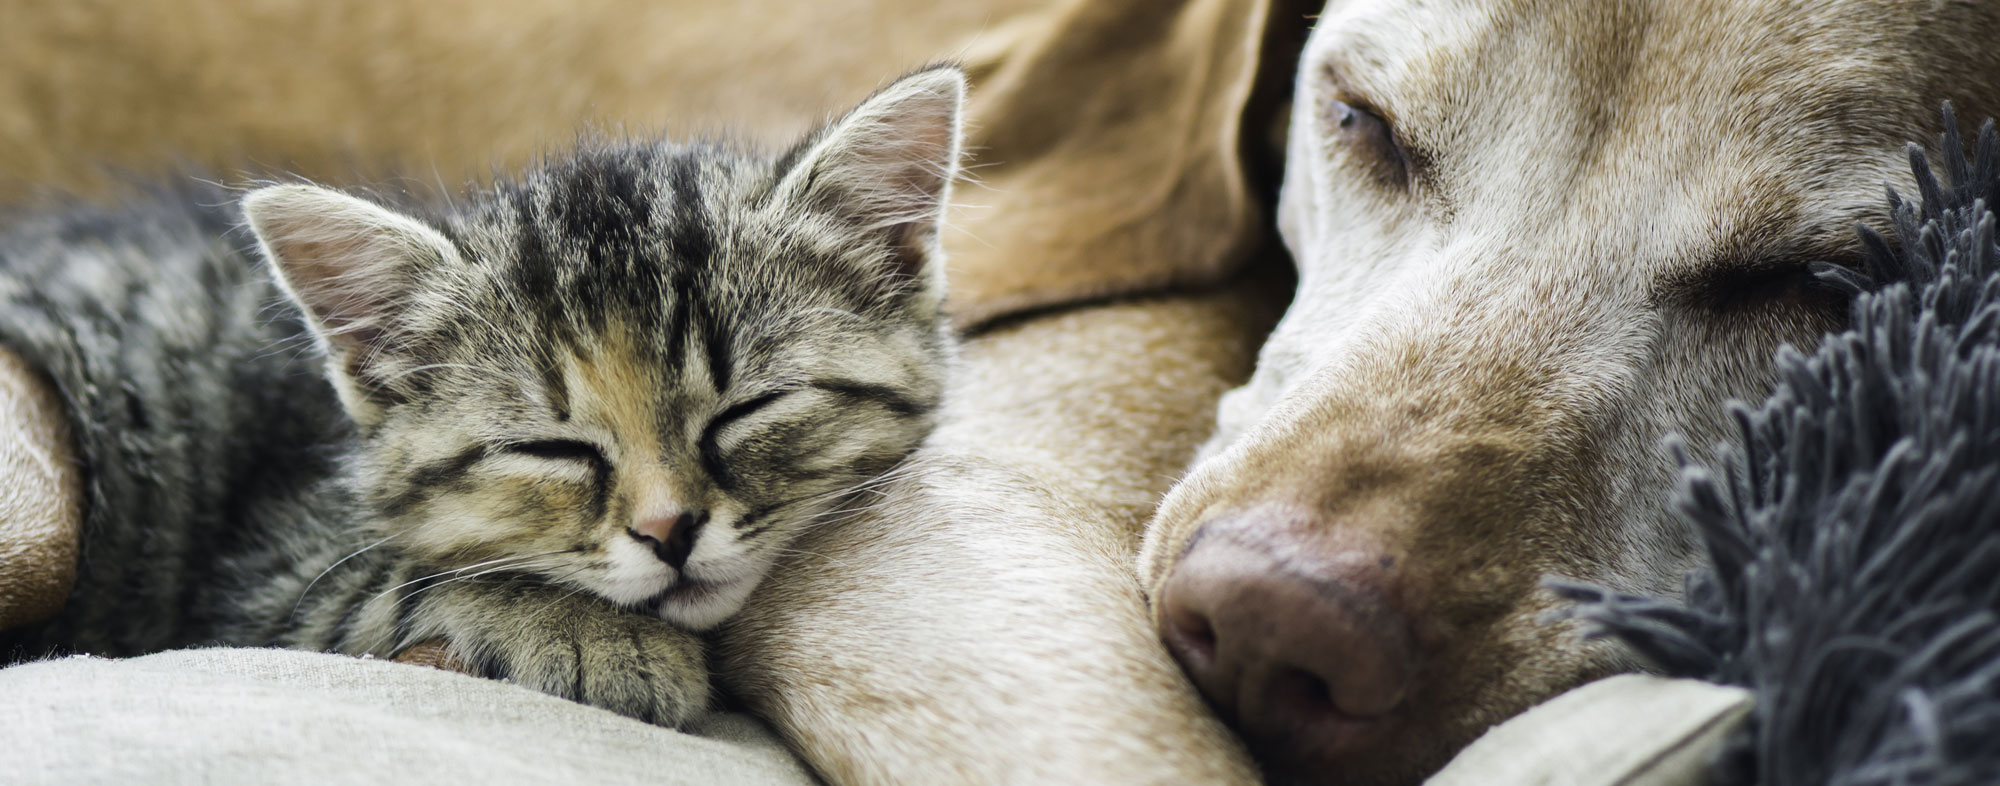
[[196, 402]]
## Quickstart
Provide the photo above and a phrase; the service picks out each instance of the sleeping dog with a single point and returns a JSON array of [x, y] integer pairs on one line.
[[1534, 238]]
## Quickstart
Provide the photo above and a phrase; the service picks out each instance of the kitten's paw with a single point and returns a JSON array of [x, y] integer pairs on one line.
[[589, 651]]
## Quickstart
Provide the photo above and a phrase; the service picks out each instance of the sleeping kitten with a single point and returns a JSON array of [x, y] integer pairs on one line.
[[570, 420]]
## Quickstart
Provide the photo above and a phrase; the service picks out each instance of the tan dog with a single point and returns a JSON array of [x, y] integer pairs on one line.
[[1534, 238]]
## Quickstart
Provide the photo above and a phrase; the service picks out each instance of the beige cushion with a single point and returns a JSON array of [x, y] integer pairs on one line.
[[228, 716], [223, 716], [1629, 730]]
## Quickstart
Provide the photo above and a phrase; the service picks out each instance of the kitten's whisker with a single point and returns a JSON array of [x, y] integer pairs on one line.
[[329, 569], [573, 571], [427, 367], [514, 560], [872, 484], [783, 551], [496, 565], [845, 511], [443, 191], [441, 574], [296, 345], [384, 638], [838, 516], [454, 580], [565, 596], [478, 565], [522, 557], [852, 493], [815, 519]]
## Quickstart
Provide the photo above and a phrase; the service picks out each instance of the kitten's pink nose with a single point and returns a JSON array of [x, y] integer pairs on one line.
[[670, 537]]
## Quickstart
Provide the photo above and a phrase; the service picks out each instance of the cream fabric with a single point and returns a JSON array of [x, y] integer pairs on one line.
[[244, 716], [255, 716], [1629, 730]]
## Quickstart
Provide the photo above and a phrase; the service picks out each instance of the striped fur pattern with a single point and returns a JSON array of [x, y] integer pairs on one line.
[[530, 391]]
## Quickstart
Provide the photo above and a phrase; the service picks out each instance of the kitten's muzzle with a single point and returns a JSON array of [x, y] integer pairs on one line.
[[670, 537]]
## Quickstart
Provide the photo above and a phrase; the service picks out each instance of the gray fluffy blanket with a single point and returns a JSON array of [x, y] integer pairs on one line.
[[1854, 529]]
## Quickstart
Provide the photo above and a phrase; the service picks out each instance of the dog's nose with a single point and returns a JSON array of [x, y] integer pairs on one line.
[[1307, 655], [671, 537]]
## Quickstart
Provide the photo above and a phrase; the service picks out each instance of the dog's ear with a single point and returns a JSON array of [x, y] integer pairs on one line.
[[1109, 145]]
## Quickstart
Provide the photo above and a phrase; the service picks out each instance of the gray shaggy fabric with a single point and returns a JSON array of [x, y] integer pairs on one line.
[[1854, 532]]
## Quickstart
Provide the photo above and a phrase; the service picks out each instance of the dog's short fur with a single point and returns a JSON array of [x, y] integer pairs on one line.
[[1578, 227]]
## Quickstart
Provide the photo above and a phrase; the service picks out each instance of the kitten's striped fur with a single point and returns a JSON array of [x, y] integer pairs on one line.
[[570, 419]]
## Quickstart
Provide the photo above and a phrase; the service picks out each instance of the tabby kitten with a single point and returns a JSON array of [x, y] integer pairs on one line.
[[569, 421]]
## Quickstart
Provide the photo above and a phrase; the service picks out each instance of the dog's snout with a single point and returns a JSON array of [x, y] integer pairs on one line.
[[1308, 656]]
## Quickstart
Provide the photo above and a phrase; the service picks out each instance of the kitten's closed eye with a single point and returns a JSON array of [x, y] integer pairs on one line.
[[712, 457], [558, 450], [574, 460], [819, 429]]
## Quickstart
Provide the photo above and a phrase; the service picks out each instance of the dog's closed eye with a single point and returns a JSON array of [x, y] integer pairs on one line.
[[1368, 139], [1731, 287]]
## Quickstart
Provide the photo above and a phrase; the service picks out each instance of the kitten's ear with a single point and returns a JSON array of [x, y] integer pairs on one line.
[[351, 265], [888, 166]]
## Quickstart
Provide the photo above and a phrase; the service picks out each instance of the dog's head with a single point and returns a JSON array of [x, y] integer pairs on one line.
[[1534, 238]]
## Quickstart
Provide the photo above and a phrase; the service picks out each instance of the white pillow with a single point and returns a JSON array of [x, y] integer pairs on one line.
[[1628, 730]]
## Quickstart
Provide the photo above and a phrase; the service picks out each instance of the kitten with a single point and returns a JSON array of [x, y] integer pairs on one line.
[[569, 422]]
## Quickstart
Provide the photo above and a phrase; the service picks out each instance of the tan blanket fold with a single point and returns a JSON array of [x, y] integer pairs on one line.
[[1108, 152]]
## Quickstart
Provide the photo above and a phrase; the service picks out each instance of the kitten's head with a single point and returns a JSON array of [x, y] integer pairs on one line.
[[644, 369]]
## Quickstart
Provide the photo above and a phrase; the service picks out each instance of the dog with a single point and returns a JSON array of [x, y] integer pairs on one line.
[[1533, 239]]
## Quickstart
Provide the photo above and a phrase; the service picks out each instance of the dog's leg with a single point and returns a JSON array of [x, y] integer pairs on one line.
[[980, 623], [41, 497]]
